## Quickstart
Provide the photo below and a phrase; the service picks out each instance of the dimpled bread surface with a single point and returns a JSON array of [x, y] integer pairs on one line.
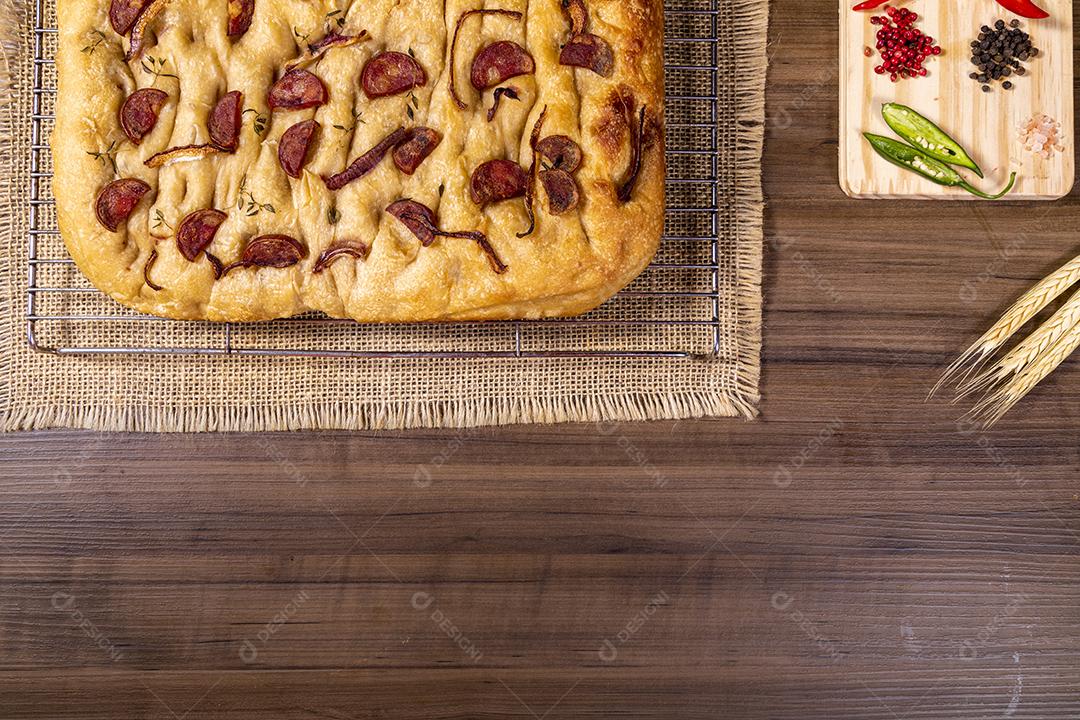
[[571, 263]]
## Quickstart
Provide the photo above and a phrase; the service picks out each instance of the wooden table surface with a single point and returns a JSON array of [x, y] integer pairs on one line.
[[856, 553]]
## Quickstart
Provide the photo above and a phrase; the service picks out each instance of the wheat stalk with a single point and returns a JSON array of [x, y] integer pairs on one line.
[[1021, 312], [994, 406], [1028, 351]]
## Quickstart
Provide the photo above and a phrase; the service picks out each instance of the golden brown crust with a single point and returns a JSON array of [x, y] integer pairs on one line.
[[568, 265]]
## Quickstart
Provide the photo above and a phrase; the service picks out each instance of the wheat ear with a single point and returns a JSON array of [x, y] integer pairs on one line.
[[995, 405], [1027, 307], [1027, 352]]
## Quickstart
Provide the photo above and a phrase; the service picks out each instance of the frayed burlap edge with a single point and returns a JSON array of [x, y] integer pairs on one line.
[[750, 28], [9, 45], [383, 416]]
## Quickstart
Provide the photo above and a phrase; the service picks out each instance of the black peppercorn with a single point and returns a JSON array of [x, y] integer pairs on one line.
[[998, 53]]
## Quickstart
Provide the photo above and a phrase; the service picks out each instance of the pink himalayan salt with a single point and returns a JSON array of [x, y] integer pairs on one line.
[[1041, 134]]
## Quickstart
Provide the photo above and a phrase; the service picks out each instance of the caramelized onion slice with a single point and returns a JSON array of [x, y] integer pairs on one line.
[[180, 154], [269, 251], [637, 131], [500, 92], [139, 113], [579, 15], [323, 45], [146, 271], [356, 249], [530, 192], [590, 52], [513, 14], [197, 230], [417, 217], [421, 222], [117, 201], [138, 31], [367, 162]]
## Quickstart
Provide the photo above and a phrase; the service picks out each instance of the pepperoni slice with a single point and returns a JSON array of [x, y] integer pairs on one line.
[[117, 201], [357, 250], [509, 92], [139, 113], [590, 52], [240, 14], [561, 152], [420, 219], [415, 148], [296, 90], [497, 180], [196, 231], [367, 162], [562, 190], [273, 251], [391, 73], [124, 13], [225, 121], [499, 62], [293, 147]]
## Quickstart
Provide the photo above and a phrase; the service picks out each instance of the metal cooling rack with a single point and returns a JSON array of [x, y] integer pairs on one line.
[[57, 296]]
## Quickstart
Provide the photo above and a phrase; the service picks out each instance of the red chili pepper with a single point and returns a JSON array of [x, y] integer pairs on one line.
[[1024, 8], [870, 5]]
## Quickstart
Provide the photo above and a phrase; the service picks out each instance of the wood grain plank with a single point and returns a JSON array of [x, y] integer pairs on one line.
[[878, 560]]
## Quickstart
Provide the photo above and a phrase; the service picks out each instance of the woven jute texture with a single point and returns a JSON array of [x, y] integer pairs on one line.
[[250, 392]]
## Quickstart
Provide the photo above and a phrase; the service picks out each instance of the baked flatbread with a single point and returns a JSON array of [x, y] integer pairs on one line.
[[236, 161]]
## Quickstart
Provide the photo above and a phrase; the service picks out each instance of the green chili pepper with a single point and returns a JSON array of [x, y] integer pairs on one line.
[[923, 164], [925, 135]]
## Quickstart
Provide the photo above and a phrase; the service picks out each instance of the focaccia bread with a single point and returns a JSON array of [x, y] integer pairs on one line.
[[383, 160]]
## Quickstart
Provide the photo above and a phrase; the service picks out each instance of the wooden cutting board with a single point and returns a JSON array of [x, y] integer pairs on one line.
[[984, 123]]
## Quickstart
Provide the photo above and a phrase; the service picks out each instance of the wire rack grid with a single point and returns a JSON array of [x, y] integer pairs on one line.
[[674, 310]]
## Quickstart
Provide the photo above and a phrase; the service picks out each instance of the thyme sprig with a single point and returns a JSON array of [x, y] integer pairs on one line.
[[333, 215], [99, 37], [160, 221], [412, 105], [106, 157], [156, 66], [334, 17], [357, 118], [246, 201], [259, 124]]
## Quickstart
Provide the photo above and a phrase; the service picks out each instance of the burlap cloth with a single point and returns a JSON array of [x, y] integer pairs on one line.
[[158, 392]]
